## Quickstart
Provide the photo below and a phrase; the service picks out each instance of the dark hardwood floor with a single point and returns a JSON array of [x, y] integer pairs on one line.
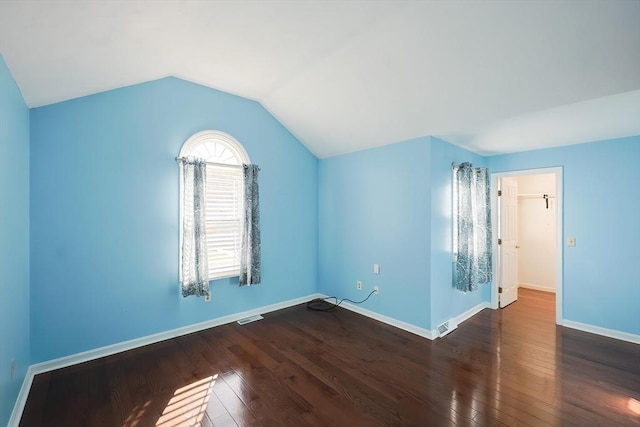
[[302, 368]]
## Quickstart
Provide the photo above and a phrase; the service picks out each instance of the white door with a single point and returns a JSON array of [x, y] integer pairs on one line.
[[508, 237]]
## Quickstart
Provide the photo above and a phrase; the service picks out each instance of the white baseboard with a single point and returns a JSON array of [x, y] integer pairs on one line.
[[536, 287], [425, 333], [453, 323], [21, 400], [472, 312], [611, 333], [417, 330], [97, 353]]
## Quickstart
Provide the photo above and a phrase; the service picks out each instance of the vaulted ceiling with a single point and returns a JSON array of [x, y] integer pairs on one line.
[[491, 76]]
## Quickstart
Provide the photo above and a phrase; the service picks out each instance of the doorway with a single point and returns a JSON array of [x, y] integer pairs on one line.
[[536, 189]]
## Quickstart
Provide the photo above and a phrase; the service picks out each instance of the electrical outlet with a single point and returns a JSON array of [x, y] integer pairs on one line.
[[13, 369], [376, 290], [359, 285]]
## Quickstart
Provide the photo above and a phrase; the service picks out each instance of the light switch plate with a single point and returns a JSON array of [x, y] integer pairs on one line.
[[571, 241]]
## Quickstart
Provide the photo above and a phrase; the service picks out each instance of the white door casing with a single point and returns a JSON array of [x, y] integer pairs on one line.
[[509, 238], [495, 212]]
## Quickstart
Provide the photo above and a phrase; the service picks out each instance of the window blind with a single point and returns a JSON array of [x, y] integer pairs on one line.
[[224, 199]]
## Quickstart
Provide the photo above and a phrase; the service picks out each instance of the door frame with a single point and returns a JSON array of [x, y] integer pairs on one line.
[[495, 178]]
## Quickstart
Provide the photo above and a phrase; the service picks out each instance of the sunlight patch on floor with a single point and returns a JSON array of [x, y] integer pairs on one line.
[[137, 413], [188, 404]]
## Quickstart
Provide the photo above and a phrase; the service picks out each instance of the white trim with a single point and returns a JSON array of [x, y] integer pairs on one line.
[[151, 339], [611, 333], [417, 330], [536, 287], [495, 178], [97, 353], [457, 320], [21, 400], [471, 312]]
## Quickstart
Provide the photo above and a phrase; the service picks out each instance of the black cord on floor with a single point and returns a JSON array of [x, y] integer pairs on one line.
[[321, 304]]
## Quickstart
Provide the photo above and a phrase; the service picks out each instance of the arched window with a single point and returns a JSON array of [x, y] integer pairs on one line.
[[215, 147], [224, 198]]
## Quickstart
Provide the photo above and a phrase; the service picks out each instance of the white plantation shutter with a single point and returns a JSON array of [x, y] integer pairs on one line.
[[224, 212], [224, 198]]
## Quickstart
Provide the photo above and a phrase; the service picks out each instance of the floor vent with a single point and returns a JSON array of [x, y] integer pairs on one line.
[[250, 319], [446, 327]]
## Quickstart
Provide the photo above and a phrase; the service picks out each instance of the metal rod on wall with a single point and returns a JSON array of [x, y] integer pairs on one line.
[[536, 195]]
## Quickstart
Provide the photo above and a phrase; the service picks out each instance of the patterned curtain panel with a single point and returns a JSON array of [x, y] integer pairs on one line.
[[472, 227], [195, 268], [250, 250]]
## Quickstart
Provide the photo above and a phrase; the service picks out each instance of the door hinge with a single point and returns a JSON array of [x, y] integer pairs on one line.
[[499, 193], [500, 289], [499, 241]]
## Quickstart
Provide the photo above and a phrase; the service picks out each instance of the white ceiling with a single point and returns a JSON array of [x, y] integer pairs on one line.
[[491, 76]]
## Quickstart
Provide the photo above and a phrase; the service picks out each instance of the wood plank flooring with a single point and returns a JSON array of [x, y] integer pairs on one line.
[[302, 368]]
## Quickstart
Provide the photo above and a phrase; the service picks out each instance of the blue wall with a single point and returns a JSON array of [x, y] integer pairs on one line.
[[14, 240], [601, 281], [97, 263], [104, 214], [375, 208], [392, 205], [406, 188]]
